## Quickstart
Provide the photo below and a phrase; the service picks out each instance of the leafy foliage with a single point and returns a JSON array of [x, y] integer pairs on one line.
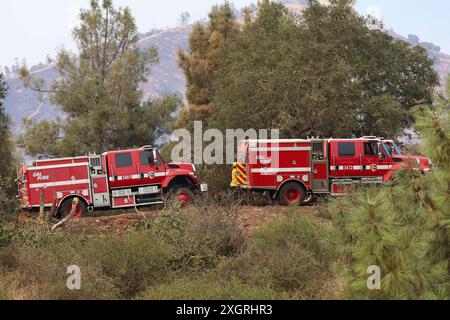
[[322, 73]]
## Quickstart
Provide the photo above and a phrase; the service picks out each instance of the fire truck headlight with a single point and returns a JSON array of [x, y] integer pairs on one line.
[[193, 168]]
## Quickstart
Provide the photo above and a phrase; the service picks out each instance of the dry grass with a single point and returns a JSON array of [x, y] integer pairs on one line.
[[201, 252]]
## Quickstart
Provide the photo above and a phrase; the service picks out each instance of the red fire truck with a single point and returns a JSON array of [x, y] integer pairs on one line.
[[117, 179], [295, 171]]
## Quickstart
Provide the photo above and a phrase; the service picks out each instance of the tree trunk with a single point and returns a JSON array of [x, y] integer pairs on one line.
[[42, 207], [70, 216], [53, 210]]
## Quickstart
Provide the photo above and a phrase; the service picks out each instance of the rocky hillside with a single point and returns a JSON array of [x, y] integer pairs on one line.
[[164, 78]]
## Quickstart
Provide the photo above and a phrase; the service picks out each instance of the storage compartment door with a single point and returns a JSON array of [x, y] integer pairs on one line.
[[320, 167], [100, 191]]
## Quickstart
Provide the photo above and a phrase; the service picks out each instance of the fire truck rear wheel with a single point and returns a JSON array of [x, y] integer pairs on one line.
[[66, 208], [292, 194]]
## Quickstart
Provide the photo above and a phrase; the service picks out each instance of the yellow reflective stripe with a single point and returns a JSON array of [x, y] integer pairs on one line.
[[242, 174], [240, 167], [240, 181]]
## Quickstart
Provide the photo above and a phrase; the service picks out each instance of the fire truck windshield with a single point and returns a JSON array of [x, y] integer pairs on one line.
[[387, 149], [397, 150], [391, 149]]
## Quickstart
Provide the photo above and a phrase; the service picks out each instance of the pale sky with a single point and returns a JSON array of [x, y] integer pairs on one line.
[[32, 29]]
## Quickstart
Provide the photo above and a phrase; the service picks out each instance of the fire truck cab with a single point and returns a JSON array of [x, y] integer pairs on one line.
[[113, 180], [293, 171]]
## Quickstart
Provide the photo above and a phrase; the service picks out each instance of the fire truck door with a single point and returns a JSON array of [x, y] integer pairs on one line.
[[375, 163], [320, 167], [150, 167], [122, 169], [345, 159]]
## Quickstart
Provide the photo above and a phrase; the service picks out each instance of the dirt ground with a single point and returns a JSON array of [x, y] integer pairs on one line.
[[250, 218]]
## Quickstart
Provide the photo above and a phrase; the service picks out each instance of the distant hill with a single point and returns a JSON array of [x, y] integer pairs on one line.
[[164, 78], [25, 103]]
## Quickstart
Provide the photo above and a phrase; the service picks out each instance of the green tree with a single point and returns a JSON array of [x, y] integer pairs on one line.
[[322, 73], [404, 228], [201, 61], [7, 155], [6, 147], [99, 89]]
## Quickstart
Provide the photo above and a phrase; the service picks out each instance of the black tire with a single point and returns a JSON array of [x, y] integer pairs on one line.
[[181, 196], [65, 208], [291, 193]]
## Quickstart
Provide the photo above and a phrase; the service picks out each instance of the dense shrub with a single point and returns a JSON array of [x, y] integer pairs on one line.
[[132, 261], [196, 253], [116, 266], [293, 256], [36, 268], [200, 236], [209, 287]]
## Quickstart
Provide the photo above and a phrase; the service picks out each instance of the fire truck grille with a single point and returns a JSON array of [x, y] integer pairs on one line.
[[96, 162], [317, 147]]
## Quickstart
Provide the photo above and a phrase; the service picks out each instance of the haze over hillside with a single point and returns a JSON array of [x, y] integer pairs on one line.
[[164, 78]]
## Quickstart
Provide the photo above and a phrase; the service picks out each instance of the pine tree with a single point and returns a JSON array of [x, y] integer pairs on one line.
[[434, 127], [403, 228], [200, 62]]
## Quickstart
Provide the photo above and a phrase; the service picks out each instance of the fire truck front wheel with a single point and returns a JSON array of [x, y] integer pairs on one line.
[[66, 208], [181, 196], [292, 194]]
